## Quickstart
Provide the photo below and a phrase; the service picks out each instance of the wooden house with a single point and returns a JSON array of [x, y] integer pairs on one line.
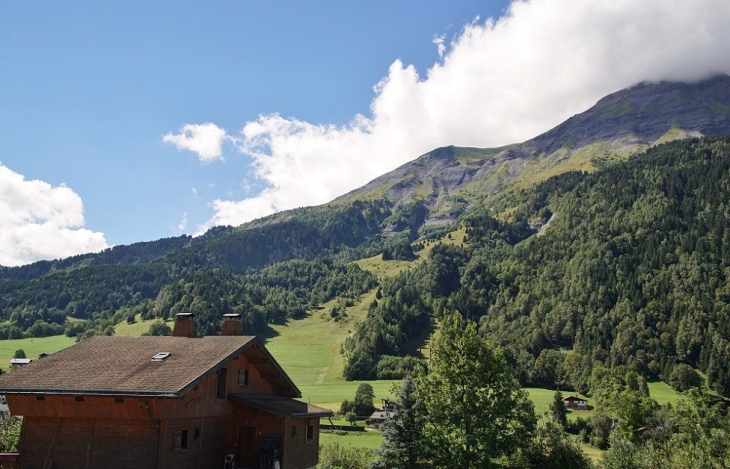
[[378, 417], [162, 402], [576, 403]]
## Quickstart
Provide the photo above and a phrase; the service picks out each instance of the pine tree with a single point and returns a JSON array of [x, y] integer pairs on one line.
[[558, 410], [402, 446]]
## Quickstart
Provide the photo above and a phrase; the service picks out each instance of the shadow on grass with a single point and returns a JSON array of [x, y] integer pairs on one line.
[[267, 335], [270, 333]]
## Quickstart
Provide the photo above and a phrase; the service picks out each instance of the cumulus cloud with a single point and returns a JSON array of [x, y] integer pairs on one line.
[[498, 82], [205, 140], [40, 222]]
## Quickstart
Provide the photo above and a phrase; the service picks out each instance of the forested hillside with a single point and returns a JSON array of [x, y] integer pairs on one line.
[[268, 271], [627, 265], [632, 270]]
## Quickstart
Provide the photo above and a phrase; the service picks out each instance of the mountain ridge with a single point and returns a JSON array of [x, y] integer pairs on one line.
[[439, 186], [622, 123]]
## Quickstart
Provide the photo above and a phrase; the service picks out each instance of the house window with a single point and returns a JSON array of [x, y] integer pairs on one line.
[[119, 400], [180, 440], [310, 432], [243, 377], [221, 390]]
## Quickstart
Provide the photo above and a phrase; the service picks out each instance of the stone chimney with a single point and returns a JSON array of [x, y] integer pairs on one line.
[[232, 324], [184, 325]]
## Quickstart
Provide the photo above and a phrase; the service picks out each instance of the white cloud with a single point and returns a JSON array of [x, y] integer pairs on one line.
[[183, 222], [41, 222], [499, 81], [441, 47], [206, 140]]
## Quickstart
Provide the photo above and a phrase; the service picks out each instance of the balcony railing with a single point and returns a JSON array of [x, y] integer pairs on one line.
[[9, 460]]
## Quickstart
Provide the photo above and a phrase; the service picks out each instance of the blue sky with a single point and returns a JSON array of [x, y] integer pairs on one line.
[[132, 121]]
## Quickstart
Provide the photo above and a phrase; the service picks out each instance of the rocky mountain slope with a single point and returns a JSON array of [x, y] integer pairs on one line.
[[446, 181]]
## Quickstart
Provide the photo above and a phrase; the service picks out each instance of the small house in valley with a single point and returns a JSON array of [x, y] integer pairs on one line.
[[180, 401], [378, 417], [576, 403]]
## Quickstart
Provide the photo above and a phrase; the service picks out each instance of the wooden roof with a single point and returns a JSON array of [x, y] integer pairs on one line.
[[123, 366], [282, 406]]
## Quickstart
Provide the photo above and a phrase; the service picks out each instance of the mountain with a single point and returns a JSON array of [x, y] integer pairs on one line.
[[637, 219], [632, 271], [448, 180]]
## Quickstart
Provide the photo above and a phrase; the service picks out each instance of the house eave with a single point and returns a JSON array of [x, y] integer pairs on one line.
[[93, 392]]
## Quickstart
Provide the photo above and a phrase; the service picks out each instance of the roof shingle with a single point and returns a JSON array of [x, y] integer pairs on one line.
[[124, 366]]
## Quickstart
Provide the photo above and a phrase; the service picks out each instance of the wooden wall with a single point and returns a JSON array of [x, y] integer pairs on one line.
[[91, 407], [87, 443], [298, 452], [206, 443]]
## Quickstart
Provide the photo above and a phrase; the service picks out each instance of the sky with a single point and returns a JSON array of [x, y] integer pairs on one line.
[[132, 121]]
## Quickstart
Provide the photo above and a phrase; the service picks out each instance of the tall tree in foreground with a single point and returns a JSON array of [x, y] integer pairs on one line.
[[402, 446], [477, 413], [558, 411]]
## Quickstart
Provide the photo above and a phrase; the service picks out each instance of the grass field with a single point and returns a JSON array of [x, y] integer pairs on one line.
[[368, 439], [37, 345], [137, 328], [32, 347], [309, 350], [663, 393]]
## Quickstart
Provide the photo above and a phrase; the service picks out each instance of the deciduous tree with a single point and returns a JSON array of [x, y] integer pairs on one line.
[[477, 412]]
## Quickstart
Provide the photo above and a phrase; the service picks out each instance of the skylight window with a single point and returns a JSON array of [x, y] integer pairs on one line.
[[160, 356]]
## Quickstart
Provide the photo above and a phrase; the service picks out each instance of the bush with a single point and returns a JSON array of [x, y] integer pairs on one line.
[[41, 328], [74, 328], [390, 367], [333, 455], [346, 407], [9, 432], [364, 400], [684, 378], [159, 328]]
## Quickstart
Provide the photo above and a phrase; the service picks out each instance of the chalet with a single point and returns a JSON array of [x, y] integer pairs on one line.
[[378, 417], [162, 402], [574, 402]]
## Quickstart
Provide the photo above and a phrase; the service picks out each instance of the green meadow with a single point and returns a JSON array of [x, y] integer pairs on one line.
[[32, 347], [309, 350], [137, 328]]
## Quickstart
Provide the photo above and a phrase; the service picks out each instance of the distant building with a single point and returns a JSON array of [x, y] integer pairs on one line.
[[576, 403], [378, 417], [19, 361], [162, 402]]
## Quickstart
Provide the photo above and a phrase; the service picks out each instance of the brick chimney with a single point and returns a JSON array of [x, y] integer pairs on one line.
[[232, 324], [184, 325]]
